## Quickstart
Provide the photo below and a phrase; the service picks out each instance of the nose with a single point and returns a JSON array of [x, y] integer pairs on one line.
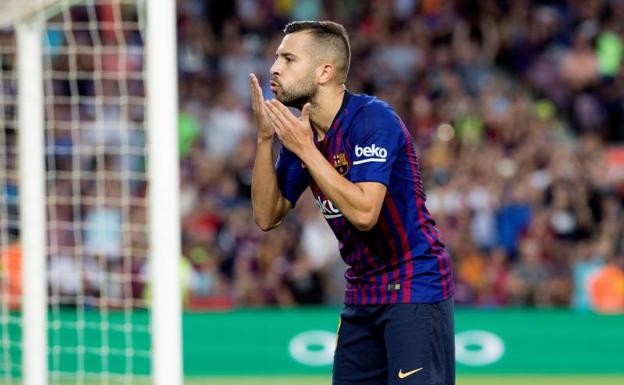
[[275, 68]]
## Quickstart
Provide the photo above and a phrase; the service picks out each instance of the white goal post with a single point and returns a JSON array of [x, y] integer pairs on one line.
[[163, 167], [31, 160], [36, 125]]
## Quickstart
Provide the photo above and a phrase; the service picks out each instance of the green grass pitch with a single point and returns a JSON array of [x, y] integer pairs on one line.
[[463, 380], [325, 380]]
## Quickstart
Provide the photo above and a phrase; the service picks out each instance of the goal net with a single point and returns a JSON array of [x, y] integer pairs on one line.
[[96, 182], [10, 275]]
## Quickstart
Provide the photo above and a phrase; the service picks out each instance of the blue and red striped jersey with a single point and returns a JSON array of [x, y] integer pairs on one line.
[[401, 259]]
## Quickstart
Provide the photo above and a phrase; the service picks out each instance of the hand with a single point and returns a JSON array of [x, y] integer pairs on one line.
[[294, 133], [265, 128]]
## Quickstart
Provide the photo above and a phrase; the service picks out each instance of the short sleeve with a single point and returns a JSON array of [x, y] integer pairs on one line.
[[375, 140], [292, 178]]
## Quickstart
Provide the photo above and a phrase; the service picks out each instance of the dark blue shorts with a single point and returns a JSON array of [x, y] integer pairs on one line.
[[399, 344]]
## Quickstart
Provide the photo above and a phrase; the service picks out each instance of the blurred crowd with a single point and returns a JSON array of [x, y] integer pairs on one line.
[[516, 108]]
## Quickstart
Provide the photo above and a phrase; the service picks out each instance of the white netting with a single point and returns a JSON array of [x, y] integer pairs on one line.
[[93, 59], [12, 11], [10, 269]]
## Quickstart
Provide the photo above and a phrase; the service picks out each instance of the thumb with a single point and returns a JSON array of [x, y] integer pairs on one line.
[[305, 113]]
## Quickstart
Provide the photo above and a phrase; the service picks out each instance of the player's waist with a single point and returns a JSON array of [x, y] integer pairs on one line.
[[374, 269], [403, 292]]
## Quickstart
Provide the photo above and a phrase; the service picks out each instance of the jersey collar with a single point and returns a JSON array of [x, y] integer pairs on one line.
[[337, 118]]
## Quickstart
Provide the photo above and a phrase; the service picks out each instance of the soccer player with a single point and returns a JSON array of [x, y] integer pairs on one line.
[[358, 158]]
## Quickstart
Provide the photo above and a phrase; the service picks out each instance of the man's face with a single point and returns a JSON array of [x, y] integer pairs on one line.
[[293, 77]]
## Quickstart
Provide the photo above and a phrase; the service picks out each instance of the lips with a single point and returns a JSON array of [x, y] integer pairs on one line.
[[274, 85]]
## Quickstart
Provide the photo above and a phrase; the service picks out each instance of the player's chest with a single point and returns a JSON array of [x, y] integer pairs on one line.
[[336, 149]]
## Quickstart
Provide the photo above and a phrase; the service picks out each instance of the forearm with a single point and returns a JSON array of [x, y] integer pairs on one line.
[[359, 203], [348, 197], [269, 206]]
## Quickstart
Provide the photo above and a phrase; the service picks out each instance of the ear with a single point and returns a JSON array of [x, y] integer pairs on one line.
[[326, 73]]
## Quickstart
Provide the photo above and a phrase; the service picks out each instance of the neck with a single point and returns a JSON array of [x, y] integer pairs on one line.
[[324, 107]]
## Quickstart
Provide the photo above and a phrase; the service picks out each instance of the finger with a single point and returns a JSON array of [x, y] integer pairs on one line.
[[266, 112], [256, 92], [256, 83], [276, 128], [305, 113], [273, 118], [279, 116], [284, 111], [279, 133]]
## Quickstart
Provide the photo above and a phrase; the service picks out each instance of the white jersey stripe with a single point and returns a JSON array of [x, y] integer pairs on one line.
[[368, 160]]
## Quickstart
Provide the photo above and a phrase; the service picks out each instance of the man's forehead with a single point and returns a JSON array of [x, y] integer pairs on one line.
[[295, 43]]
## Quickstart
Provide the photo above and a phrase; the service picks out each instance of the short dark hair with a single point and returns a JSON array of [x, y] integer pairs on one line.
[[333, 36]]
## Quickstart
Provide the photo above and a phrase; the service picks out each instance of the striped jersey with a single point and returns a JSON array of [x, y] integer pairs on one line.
[[401, 259]]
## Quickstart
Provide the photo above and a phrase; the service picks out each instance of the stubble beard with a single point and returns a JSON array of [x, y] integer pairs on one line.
[[298, 95]]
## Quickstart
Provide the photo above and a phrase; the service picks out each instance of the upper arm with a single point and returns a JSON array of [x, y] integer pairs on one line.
[[373, 147], [374, 144]]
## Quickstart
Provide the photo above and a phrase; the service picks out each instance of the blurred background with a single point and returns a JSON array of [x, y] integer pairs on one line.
[[516, 108], [517, 112]]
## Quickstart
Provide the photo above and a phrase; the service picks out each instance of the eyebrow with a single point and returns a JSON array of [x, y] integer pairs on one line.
[[285, 54]]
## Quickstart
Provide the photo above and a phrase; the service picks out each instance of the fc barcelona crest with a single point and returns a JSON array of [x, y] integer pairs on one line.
[[341, 164]]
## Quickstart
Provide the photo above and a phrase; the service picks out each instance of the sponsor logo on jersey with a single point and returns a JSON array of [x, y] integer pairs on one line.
[[341, 164], [373, 153], [327, 208]]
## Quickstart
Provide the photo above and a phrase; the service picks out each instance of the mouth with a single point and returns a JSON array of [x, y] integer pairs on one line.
[[274, 86]]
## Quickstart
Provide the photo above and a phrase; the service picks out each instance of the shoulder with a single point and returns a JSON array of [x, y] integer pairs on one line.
[[373, 114], [368, 105]]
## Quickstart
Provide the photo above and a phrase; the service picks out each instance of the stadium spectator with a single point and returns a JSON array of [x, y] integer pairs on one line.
[[516, 140]]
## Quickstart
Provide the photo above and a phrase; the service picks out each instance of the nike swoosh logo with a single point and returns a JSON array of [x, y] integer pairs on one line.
[[406, 374]]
